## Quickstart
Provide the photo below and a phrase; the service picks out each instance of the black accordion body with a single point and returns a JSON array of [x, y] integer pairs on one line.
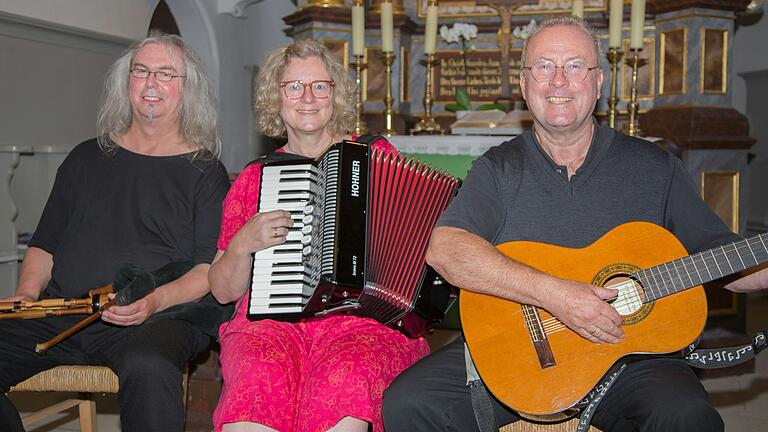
[[362, 218]]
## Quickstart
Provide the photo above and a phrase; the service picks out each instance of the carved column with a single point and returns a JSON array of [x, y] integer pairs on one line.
[[693, 109]]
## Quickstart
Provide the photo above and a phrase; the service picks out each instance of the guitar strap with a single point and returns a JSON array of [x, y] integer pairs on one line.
[[713, 358], [481, 400], [710, 358]]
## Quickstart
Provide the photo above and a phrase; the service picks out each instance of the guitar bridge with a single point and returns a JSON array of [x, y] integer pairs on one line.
[[538, 336]]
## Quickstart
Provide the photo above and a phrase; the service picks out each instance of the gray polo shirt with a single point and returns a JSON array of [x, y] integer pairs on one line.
[[515, 191]]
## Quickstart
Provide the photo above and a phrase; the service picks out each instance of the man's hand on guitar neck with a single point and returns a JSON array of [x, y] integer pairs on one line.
[[583, 308]]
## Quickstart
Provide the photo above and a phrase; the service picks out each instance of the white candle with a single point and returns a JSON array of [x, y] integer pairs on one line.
[[430, 33], [578, 8], [637, 22], [615, 21], [358, 29], [386, 26]]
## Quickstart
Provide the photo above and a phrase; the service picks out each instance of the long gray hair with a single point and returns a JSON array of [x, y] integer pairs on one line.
[[567, 20], [268, 94], [198, 117]]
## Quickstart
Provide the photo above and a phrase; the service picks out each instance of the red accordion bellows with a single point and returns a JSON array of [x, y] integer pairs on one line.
[[404, 201]]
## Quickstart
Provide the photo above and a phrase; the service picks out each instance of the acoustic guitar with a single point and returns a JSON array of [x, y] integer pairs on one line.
[[537, 366]]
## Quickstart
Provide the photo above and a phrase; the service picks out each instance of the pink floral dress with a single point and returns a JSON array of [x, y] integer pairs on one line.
[[307, 375]]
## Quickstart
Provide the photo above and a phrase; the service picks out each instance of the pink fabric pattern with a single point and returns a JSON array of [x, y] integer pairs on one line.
[[307, 375]]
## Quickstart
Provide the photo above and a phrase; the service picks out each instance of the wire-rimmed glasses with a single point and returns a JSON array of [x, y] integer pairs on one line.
[[320, 89], [575, 71], [160, 75]]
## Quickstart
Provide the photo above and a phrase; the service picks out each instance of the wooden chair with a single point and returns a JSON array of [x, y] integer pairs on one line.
[[80, 379]]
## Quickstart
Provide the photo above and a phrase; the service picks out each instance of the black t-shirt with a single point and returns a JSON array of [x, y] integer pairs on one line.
[[515, 191], [107, 210]]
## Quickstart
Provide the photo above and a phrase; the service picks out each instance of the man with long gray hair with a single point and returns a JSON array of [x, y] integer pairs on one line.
[[148, 192]]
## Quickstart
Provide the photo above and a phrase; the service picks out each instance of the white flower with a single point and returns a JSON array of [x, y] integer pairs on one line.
[[449, 36], [525, 31], [457, 32]]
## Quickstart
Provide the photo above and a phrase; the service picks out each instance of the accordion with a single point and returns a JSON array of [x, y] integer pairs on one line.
[[362, 218]]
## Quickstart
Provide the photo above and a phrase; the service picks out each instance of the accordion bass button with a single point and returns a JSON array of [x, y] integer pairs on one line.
[[307, 219], [306, 229], [309, 209], [306, 239], [307, 250]]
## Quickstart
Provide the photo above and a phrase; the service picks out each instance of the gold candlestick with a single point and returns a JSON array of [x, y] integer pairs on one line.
[[427, 125], [614, 57], [635, 62], [389, 58], [324, 3], [359, 65]]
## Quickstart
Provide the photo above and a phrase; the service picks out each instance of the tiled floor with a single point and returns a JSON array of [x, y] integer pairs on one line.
[[741, 400]]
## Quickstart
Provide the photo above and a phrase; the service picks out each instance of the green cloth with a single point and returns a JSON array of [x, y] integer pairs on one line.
[[457, 166]]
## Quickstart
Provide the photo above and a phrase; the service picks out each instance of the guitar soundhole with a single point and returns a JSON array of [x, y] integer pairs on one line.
[[630, 301]]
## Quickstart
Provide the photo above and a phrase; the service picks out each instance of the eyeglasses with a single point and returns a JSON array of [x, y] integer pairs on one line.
[[163, 76], [320, 89], [544, 70]]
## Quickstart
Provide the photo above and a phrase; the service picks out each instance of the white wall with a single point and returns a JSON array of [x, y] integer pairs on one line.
[[229, 47], [123, 18], [748, 58]]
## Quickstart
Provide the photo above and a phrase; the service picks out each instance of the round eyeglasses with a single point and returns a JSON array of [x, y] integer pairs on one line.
[[320, 89], [574, 71], [163, 76]]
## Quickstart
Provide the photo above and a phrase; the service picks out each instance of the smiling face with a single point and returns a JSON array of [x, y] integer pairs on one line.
[[306, 115], [153, 100], [558, 105]]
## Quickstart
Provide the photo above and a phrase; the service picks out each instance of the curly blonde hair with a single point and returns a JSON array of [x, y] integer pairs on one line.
[[268, 94]]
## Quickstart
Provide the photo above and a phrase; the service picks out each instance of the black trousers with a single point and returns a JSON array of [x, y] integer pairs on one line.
[[649, 395], [148, 359]]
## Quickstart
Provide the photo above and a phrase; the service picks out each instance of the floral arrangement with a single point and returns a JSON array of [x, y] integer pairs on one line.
[[524, 31], [462, 33]]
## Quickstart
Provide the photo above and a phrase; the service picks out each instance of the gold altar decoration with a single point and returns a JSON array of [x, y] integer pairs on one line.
[[614, 58], [389, 58], [427, 125], [672, 63], [714, 61], [324, 3], [504, 8], [397, 7], [635, 62], [359, 65]]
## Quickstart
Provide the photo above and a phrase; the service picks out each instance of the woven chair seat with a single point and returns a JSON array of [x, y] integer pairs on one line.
[[524, 426], [85, 379]]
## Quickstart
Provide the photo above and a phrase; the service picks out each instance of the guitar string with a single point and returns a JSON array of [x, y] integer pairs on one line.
[[736, 247], [553, 325]]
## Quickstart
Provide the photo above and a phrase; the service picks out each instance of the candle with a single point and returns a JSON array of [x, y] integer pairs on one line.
[[615, 20], [358, 28], [386, 26], [430, 33], [578, 8], [637, 22]]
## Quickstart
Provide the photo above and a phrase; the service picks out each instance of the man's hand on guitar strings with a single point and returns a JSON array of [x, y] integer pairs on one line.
[[583, 308]]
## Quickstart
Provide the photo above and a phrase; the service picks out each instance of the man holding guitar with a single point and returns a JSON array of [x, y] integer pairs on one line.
[[522, 240]]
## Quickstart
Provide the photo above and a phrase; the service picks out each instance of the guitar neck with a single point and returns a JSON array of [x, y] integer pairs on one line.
[[687, 272]]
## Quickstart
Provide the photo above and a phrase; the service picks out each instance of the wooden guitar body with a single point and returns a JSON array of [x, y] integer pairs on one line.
[[537, 366]]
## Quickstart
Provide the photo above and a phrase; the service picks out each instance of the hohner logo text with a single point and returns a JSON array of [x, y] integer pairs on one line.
[[355, 178]]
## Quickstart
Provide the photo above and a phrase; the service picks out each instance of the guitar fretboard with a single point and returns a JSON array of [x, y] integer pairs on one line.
[[687, 272]]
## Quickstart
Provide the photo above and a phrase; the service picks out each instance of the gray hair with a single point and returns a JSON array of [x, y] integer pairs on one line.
[[198, 117], [566, 20], [267, 94]]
